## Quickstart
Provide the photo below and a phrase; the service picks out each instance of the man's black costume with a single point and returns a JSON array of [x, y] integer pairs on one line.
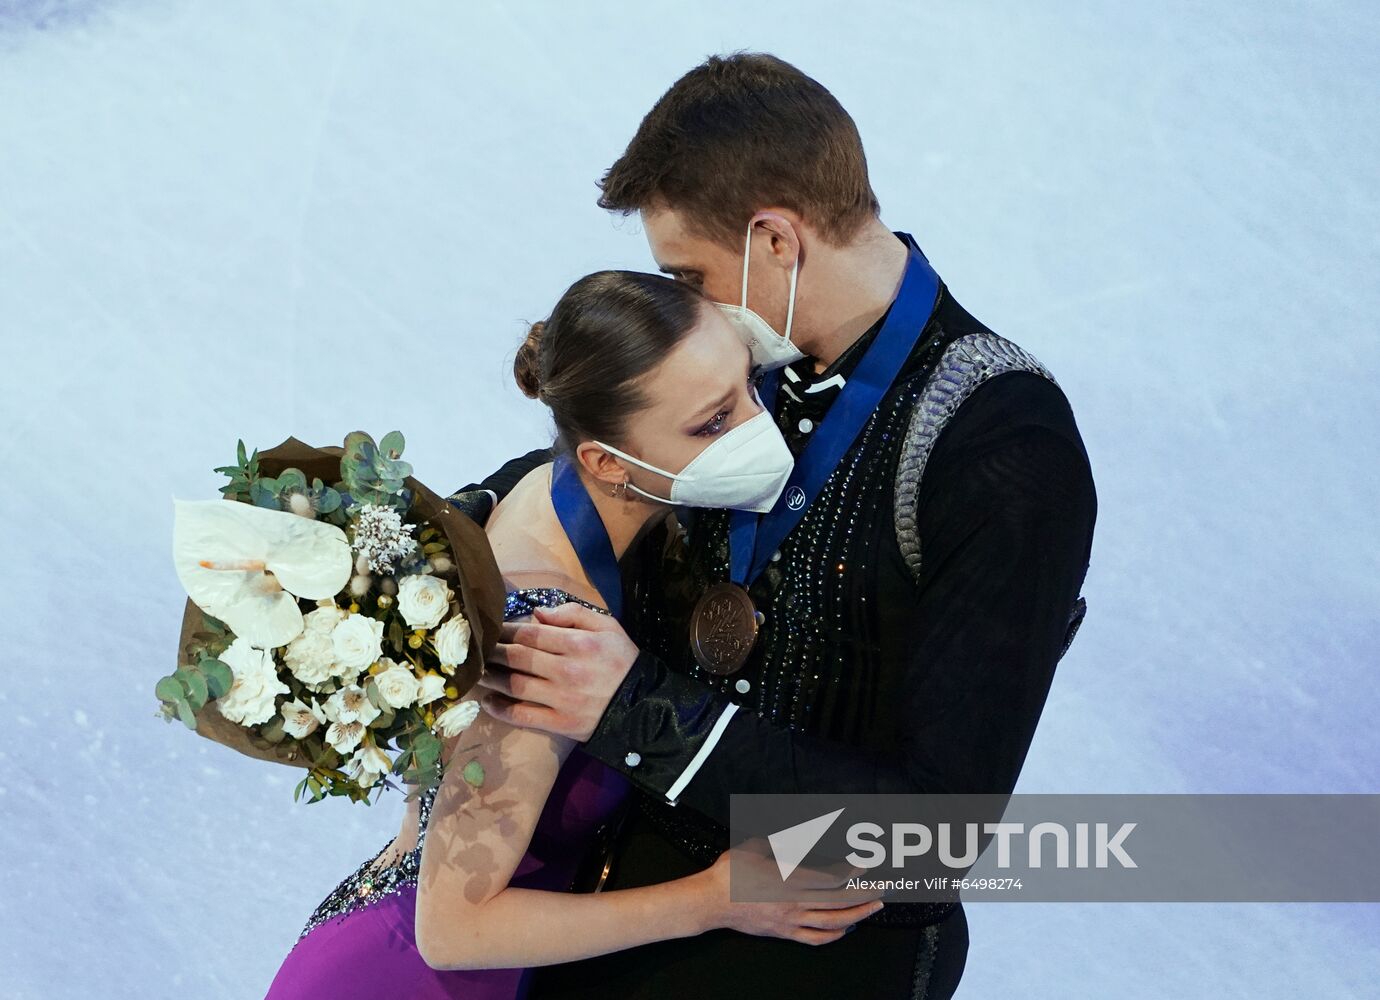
[[913, 621]]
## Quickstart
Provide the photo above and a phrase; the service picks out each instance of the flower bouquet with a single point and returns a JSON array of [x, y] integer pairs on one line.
[[333, 627]]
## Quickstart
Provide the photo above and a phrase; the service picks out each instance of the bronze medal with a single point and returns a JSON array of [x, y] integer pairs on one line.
[[723, 629]]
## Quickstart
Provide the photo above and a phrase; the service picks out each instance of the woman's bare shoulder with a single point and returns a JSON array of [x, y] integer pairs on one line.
[[530, 545]]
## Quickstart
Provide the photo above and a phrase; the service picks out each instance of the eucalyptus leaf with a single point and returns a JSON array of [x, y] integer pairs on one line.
[[218, 675], [261, 496], [272, 730], [184, 712], [372, 690], [392, 444], [168, 689], [195, 682]]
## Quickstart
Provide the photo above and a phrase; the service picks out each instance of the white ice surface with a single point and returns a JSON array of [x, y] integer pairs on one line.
[[255, 219]]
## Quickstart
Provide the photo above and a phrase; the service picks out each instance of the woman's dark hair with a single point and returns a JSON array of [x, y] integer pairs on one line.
[[608, 330]]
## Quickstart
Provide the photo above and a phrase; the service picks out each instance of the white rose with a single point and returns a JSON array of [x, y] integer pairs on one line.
[[453, 642], [396, 683], [350, 704], [423, 600], [299, 720], [368, 764], [433, 686], [254, 687], [357, 641], [311, 656], [326, 617], [457, 718]]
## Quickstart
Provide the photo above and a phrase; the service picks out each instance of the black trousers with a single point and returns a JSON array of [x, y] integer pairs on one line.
[[874, 962]]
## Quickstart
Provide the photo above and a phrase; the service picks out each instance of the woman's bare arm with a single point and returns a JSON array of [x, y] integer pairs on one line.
[[469, 917]]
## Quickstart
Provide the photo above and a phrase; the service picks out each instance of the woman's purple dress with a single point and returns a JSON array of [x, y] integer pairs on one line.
[[361, 941]]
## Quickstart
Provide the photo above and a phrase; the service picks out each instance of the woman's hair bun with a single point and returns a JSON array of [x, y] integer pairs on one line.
[[527, 364]]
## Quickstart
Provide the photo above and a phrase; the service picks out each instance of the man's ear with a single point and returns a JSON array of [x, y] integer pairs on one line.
[[786, 229], [598, 463]]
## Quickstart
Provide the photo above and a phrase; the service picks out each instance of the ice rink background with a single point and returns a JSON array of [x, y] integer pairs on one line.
[[255, 219]]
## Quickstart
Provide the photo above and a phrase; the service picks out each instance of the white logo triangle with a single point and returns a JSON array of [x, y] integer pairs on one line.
[[792, 844]]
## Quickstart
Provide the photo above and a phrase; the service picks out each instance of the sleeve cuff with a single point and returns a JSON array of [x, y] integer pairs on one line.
[[475, 503], [660, 728], [701, 755]]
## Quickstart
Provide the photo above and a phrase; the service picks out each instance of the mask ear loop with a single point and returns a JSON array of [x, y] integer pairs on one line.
[[795, 272], [747, 252], [790, 309]]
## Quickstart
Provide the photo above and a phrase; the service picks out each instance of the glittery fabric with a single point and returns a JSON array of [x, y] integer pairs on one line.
[[966, 364], [368, 884], [521, 603]]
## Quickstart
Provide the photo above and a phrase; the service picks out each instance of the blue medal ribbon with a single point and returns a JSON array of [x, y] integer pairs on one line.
[[586, 532], [752, 537]]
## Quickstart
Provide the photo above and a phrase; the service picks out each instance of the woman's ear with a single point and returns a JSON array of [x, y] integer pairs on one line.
[[600, 464]]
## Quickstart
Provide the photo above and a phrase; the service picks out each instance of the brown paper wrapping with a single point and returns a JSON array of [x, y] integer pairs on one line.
[[481, 591]]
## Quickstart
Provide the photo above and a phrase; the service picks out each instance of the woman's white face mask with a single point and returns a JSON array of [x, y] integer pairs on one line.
[[745, 468], [769, 348]]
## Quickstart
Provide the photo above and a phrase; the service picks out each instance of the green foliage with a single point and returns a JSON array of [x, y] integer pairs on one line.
[[374, 473], [186, 690], [242, 476], [218, 677], [275, 493]]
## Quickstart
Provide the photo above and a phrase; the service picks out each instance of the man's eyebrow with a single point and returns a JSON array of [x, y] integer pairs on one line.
[[674, 269]]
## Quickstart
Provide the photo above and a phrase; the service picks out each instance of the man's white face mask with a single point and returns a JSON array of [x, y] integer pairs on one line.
[[743, 469], [769, 348]]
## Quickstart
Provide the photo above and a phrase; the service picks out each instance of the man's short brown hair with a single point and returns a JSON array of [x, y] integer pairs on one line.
[[740, 133]]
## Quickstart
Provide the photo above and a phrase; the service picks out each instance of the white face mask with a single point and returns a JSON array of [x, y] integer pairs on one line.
[[744, 469], [769, 348]]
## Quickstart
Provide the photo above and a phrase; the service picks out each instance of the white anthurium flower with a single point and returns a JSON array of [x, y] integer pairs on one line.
[[397, 685], [433, 687], [368, 764], [350, 704], [457, 718], [248, 565], [299, 720]]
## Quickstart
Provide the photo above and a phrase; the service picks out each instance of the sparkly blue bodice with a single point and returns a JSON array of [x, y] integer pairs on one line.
[[521, 603]]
